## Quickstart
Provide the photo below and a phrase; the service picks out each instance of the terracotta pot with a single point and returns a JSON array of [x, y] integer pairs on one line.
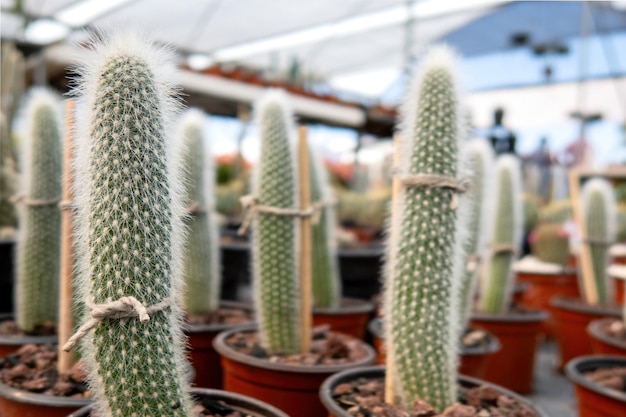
[[11, 344], [248, 406], [519, 290], [473, 360], [377, 372], [19, 403], [518, 334], [351, 318], [602, 343], [594, 400], [542, 287], [619, 290], [572, 316], [205, 360], [6, 275], [291, 388]]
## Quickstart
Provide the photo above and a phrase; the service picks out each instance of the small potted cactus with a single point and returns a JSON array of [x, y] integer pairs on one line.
[[425, 257], [206, 314], [274, 363], [517, 330], [36, 290], [573, 315]]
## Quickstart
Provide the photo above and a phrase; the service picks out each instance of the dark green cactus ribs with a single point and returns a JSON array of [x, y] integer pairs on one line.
[[130, 218], [39, 240]]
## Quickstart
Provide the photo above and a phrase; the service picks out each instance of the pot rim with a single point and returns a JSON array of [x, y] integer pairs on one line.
[[575, 367], [214, 328], [219, 344], [578, 305], [326, 388], [355, 306], [529, 316], [231, 398], [10, 340], [23, 396], [593, 329]]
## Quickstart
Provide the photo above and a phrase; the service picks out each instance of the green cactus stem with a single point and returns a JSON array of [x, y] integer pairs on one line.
[[201, 262], [39, 240], [325, 270], [506, 234], [599, 213], [479, 157], [275, 238], [130, 206], [421, 299]]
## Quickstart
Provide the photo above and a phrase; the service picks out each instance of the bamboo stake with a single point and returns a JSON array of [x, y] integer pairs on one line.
[[396, 187], [66, 359], [305, 241], [584, 253]]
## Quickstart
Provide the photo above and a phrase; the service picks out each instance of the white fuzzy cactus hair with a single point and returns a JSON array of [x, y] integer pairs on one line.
[[424, 259], [129, 204]]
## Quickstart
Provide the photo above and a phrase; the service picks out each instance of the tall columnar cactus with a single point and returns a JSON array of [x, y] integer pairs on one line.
[[39, 240], [421, 300], [201, 262], [275, 238], [505, 237], [130, 224], [479, 158], [600, 223], [325, 270]]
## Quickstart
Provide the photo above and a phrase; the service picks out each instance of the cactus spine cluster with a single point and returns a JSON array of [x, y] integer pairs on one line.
[[275, 238], [129, 202], [600, 223], [39, 240], [325, 270], [479, 157], [421, 300], [201, 262], [506, 234]]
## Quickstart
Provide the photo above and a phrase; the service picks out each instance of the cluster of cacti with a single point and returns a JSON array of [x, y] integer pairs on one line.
[[598, 204], [39, 239], [325, 269], [12, 87], [505, 237], [549, 242], [130, 222], [275, 238], [227, 197], [424, 264], [363, 209], [201, 261], [479, 157]]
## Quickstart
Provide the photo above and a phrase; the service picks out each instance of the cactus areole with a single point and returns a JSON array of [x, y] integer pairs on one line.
[[130, 218], [420, 300]]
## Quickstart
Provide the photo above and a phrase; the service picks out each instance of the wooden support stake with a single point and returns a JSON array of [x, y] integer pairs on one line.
[[305, 241], [584, 253], [396, 188], [66, 359]]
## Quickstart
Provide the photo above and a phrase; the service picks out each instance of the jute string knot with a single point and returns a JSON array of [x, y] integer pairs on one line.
[[32, 202], [67, 205], [251, 207], [455, 185], [118, 309]]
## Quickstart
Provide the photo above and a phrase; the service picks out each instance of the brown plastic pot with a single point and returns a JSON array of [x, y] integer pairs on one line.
[[205, 360], [572, 316], [603, 343], [542, 287], [11, 344], [246, 405], [378, 372], [595, 400], [473, 360], [351, 318], [512, 366], [20, 403], [291, 388]]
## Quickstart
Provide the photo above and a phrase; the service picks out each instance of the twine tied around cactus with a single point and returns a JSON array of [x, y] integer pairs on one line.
[[504, 248], [118, 309], [457, 186], [597, 242], [67, 205], [195, 209], [33, 202], [251, 206]]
